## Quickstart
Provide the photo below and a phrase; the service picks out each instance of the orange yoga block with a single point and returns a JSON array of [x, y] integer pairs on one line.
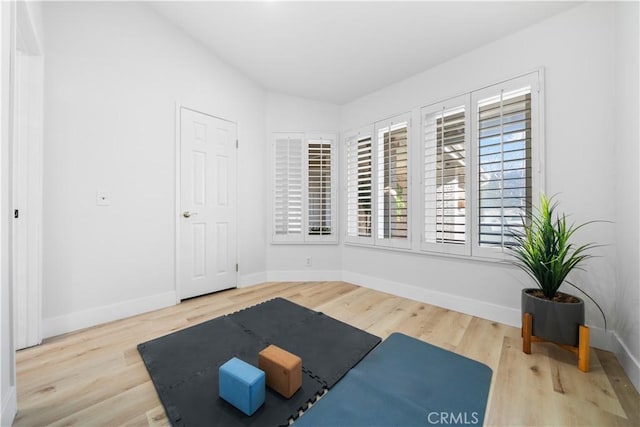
[[283, 370]]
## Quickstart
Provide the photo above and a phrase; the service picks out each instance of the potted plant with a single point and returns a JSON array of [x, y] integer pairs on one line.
[[545, 252]]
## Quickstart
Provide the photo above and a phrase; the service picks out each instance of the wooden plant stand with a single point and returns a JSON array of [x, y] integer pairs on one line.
[[582, 350]]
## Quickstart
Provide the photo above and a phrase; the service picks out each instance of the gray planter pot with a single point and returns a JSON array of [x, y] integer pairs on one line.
[[554, 321]]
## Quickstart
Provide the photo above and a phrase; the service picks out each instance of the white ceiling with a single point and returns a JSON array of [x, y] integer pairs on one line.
[[339, 51]]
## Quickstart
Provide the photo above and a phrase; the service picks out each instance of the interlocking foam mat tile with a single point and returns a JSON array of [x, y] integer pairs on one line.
[[184, 365]]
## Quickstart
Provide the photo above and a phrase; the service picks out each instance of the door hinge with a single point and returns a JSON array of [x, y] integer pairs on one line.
[[236, 268], [236, 143], [16, 213]]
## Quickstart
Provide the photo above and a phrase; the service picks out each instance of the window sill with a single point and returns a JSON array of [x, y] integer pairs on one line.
[[501, 260], [316, 242]]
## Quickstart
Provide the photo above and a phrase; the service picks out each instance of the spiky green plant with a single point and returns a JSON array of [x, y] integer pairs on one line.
[[544, 251]]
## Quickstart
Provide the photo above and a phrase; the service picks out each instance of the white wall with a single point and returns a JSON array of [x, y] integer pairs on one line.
[[113, 74], [115, 70], [627, 159], [575, 50], [284, 261], [591, 164], [8, 403]]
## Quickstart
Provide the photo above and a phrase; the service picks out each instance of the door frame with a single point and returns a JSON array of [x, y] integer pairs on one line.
[[27, 85], [178, 197]]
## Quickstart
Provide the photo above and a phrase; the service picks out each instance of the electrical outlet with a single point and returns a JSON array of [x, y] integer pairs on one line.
[[308, 261], [102, 199]]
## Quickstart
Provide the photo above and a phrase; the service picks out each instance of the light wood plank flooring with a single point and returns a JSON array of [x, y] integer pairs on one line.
[[95, 377]]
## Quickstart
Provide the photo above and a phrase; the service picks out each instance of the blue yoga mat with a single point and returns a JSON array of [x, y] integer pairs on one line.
[[406, 382]]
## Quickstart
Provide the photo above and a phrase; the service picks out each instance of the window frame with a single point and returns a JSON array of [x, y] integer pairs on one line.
[[444, 247], [333, 236], [286, 237], [398, 243], [534, 81], [350, 138], [304, 237], [416, 153]]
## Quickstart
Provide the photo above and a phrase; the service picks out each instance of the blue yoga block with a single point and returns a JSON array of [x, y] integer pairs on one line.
[[242, 385]]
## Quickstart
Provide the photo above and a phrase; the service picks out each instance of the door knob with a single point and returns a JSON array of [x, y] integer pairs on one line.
[[187, 214]]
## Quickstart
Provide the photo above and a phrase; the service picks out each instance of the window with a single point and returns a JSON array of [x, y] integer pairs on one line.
[[478, 165], [393, 180], [359, 152], [445, 176], [378, 184], [319, 187], [504, 165], [505, 128], [304, 188], [478, 175], [287, 223]]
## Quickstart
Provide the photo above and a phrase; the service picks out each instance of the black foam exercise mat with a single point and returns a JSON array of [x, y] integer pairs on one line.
[[184, 365], [328, 347]]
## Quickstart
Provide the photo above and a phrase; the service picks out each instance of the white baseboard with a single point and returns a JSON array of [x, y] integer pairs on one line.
[[9, 407], [599, 338], [247, 280], [629, 363], [493, 312], [304, 276], [107, 313], [496, 313], [607, 340]]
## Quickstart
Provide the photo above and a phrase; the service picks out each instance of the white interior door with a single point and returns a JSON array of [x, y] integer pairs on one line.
[[208, 157]]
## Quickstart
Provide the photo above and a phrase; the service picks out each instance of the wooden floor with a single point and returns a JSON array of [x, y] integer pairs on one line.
[[95, 377]]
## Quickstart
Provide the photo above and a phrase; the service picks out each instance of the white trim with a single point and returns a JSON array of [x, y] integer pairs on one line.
[[629, 363], [288, 238], [402, 243], [464, 102], [9, 407], [429, 101], [97, 315], [8, 393], [333, 139], [310, 242], [485, 310], [176, 246], [304, 237], [253, 279], [349, 138], [533, 80], [606, 340], [541, 137], [305, 276], [27, 147], [415, 232], [599, 338]]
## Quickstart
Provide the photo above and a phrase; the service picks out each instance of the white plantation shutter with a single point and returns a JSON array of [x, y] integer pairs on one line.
[[445, 176], [288, 187], [505, 126], [321, 186], [304, 188], [479, 166], [359, 186], [392, 186]]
